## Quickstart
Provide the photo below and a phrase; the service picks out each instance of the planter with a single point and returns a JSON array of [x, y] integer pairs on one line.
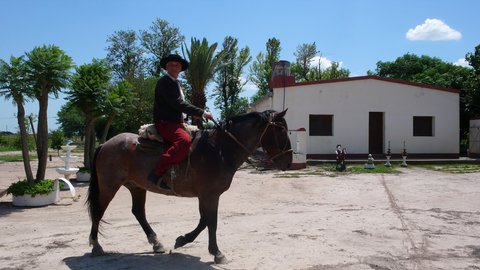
[[39, 193], [37, 200], [43, 199], [83, 176]]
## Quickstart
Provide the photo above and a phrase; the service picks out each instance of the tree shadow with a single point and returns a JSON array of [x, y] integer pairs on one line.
[[144, 261], [6, 208]]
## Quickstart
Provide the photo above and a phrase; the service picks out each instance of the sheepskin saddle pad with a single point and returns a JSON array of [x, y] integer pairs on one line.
[[149, 137]]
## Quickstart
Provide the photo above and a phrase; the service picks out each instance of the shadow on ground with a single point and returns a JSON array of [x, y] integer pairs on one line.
[[145, 261], [6, 208]]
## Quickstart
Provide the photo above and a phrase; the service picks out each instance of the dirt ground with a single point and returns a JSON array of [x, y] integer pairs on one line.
[[419, 219]]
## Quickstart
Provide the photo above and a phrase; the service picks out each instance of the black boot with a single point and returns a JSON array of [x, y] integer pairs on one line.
[[163, 185], [158, 180]]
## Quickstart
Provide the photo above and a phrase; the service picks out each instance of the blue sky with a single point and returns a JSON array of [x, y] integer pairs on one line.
[[356, 33]]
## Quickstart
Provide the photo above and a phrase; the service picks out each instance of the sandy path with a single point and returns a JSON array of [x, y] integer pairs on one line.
[[416, 220]]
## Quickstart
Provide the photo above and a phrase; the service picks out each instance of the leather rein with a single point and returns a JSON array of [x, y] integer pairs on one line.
[[250, 152]]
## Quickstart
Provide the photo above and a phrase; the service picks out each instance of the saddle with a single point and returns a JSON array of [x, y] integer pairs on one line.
[[150, 141]]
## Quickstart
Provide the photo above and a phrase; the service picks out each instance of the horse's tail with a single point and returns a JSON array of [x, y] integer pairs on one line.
[[93, 201]]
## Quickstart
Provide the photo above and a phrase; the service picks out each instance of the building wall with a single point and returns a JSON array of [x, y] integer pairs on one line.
[[261, 105], [350, 102]]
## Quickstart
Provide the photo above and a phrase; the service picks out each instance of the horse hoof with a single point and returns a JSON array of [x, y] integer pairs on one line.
[[180, 242], [220, 259], [158, 248], [97, 251]]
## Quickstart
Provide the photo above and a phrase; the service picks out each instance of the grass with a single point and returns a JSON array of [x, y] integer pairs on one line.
[[10, 158], [452, 168], [328, 169], [7, 148]]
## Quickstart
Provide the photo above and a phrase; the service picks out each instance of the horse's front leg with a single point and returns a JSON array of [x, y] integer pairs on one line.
[[209, 206], [208, 218]]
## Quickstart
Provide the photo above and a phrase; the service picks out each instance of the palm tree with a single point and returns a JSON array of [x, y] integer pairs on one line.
[[14, 85], [203, 64], [49, 71]]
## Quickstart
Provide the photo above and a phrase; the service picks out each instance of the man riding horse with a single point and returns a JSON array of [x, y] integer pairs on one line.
[[168, 114]]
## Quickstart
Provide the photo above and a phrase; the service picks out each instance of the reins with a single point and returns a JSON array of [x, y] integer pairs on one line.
[[250, 152]]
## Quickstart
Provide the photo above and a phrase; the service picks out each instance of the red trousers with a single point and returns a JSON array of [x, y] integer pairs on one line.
[[177, 145]]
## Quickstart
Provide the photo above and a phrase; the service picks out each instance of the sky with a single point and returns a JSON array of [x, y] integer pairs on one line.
[[355, 33]]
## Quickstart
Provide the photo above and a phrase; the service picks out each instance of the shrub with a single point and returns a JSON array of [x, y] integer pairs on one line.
[[32, 188], [17, 142]]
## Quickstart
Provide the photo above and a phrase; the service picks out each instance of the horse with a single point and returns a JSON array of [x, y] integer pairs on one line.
[[215, 156]]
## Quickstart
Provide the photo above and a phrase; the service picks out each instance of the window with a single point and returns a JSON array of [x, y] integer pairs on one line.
[[423, 126], [321, 125]]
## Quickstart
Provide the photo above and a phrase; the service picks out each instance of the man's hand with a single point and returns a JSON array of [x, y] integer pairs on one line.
[[208, 115]]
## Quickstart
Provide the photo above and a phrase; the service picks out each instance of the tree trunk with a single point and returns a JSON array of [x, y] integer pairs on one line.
[[42, 135], [24, 141], [199, 100], [89, 146], [107, 128]]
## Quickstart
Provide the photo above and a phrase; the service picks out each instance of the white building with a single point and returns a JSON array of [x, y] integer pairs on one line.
[[369, 114]]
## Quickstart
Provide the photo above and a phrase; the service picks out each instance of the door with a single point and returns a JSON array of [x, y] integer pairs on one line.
[[375, 133]]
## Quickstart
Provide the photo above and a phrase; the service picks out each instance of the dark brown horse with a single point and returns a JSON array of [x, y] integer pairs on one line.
[[208, 172]]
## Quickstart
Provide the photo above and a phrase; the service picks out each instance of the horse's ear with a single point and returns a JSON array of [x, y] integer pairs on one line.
[[280, 114]]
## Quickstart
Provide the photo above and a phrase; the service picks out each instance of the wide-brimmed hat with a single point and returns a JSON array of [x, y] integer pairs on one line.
[[176, 58]]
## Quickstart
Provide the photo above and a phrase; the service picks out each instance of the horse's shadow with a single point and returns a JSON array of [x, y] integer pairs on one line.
[[144, 261]]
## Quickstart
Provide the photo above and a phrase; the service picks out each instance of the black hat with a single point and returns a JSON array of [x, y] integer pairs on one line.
[[176, 58]]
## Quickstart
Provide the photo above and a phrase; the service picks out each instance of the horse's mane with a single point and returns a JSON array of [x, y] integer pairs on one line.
[[263, 115]]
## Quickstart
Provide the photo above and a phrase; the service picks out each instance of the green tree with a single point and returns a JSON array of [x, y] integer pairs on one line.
[[141, 110], [119, 98], [304, 55], [125, 56], [160, 40], [48, 71], [472, 97], [228, 79], [88, 92], [71, 120], [57, 140], [261, 69], [14, 85], [203, 63], [332, 72]]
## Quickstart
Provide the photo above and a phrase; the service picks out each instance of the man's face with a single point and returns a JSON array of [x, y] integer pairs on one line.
[[174, 68]]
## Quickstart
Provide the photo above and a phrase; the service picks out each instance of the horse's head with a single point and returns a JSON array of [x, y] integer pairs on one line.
[[275, 140]]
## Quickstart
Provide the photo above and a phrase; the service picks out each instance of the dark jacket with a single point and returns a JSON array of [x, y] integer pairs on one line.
[[169, 105]]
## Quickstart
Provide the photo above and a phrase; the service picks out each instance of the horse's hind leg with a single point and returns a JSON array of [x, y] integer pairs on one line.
[[98, 205], [138, 210]]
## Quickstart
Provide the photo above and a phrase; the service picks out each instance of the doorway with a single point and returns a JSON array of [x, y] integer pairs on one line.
[[375, 133]]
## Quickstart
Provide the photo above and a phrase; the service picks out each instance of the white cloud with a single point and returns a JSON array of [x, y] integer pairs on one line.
[[462, 62], [249, 89], [324, 62], [433, 30]]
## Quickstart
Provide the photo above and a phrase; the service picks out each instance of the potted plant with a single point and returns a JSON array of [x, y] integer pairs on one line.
[[33, 193], [83, 174]]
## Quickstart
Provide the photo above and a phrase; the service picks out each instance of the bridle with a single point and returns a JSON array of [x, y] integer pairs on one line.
[[283, 151], [250, 152]]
